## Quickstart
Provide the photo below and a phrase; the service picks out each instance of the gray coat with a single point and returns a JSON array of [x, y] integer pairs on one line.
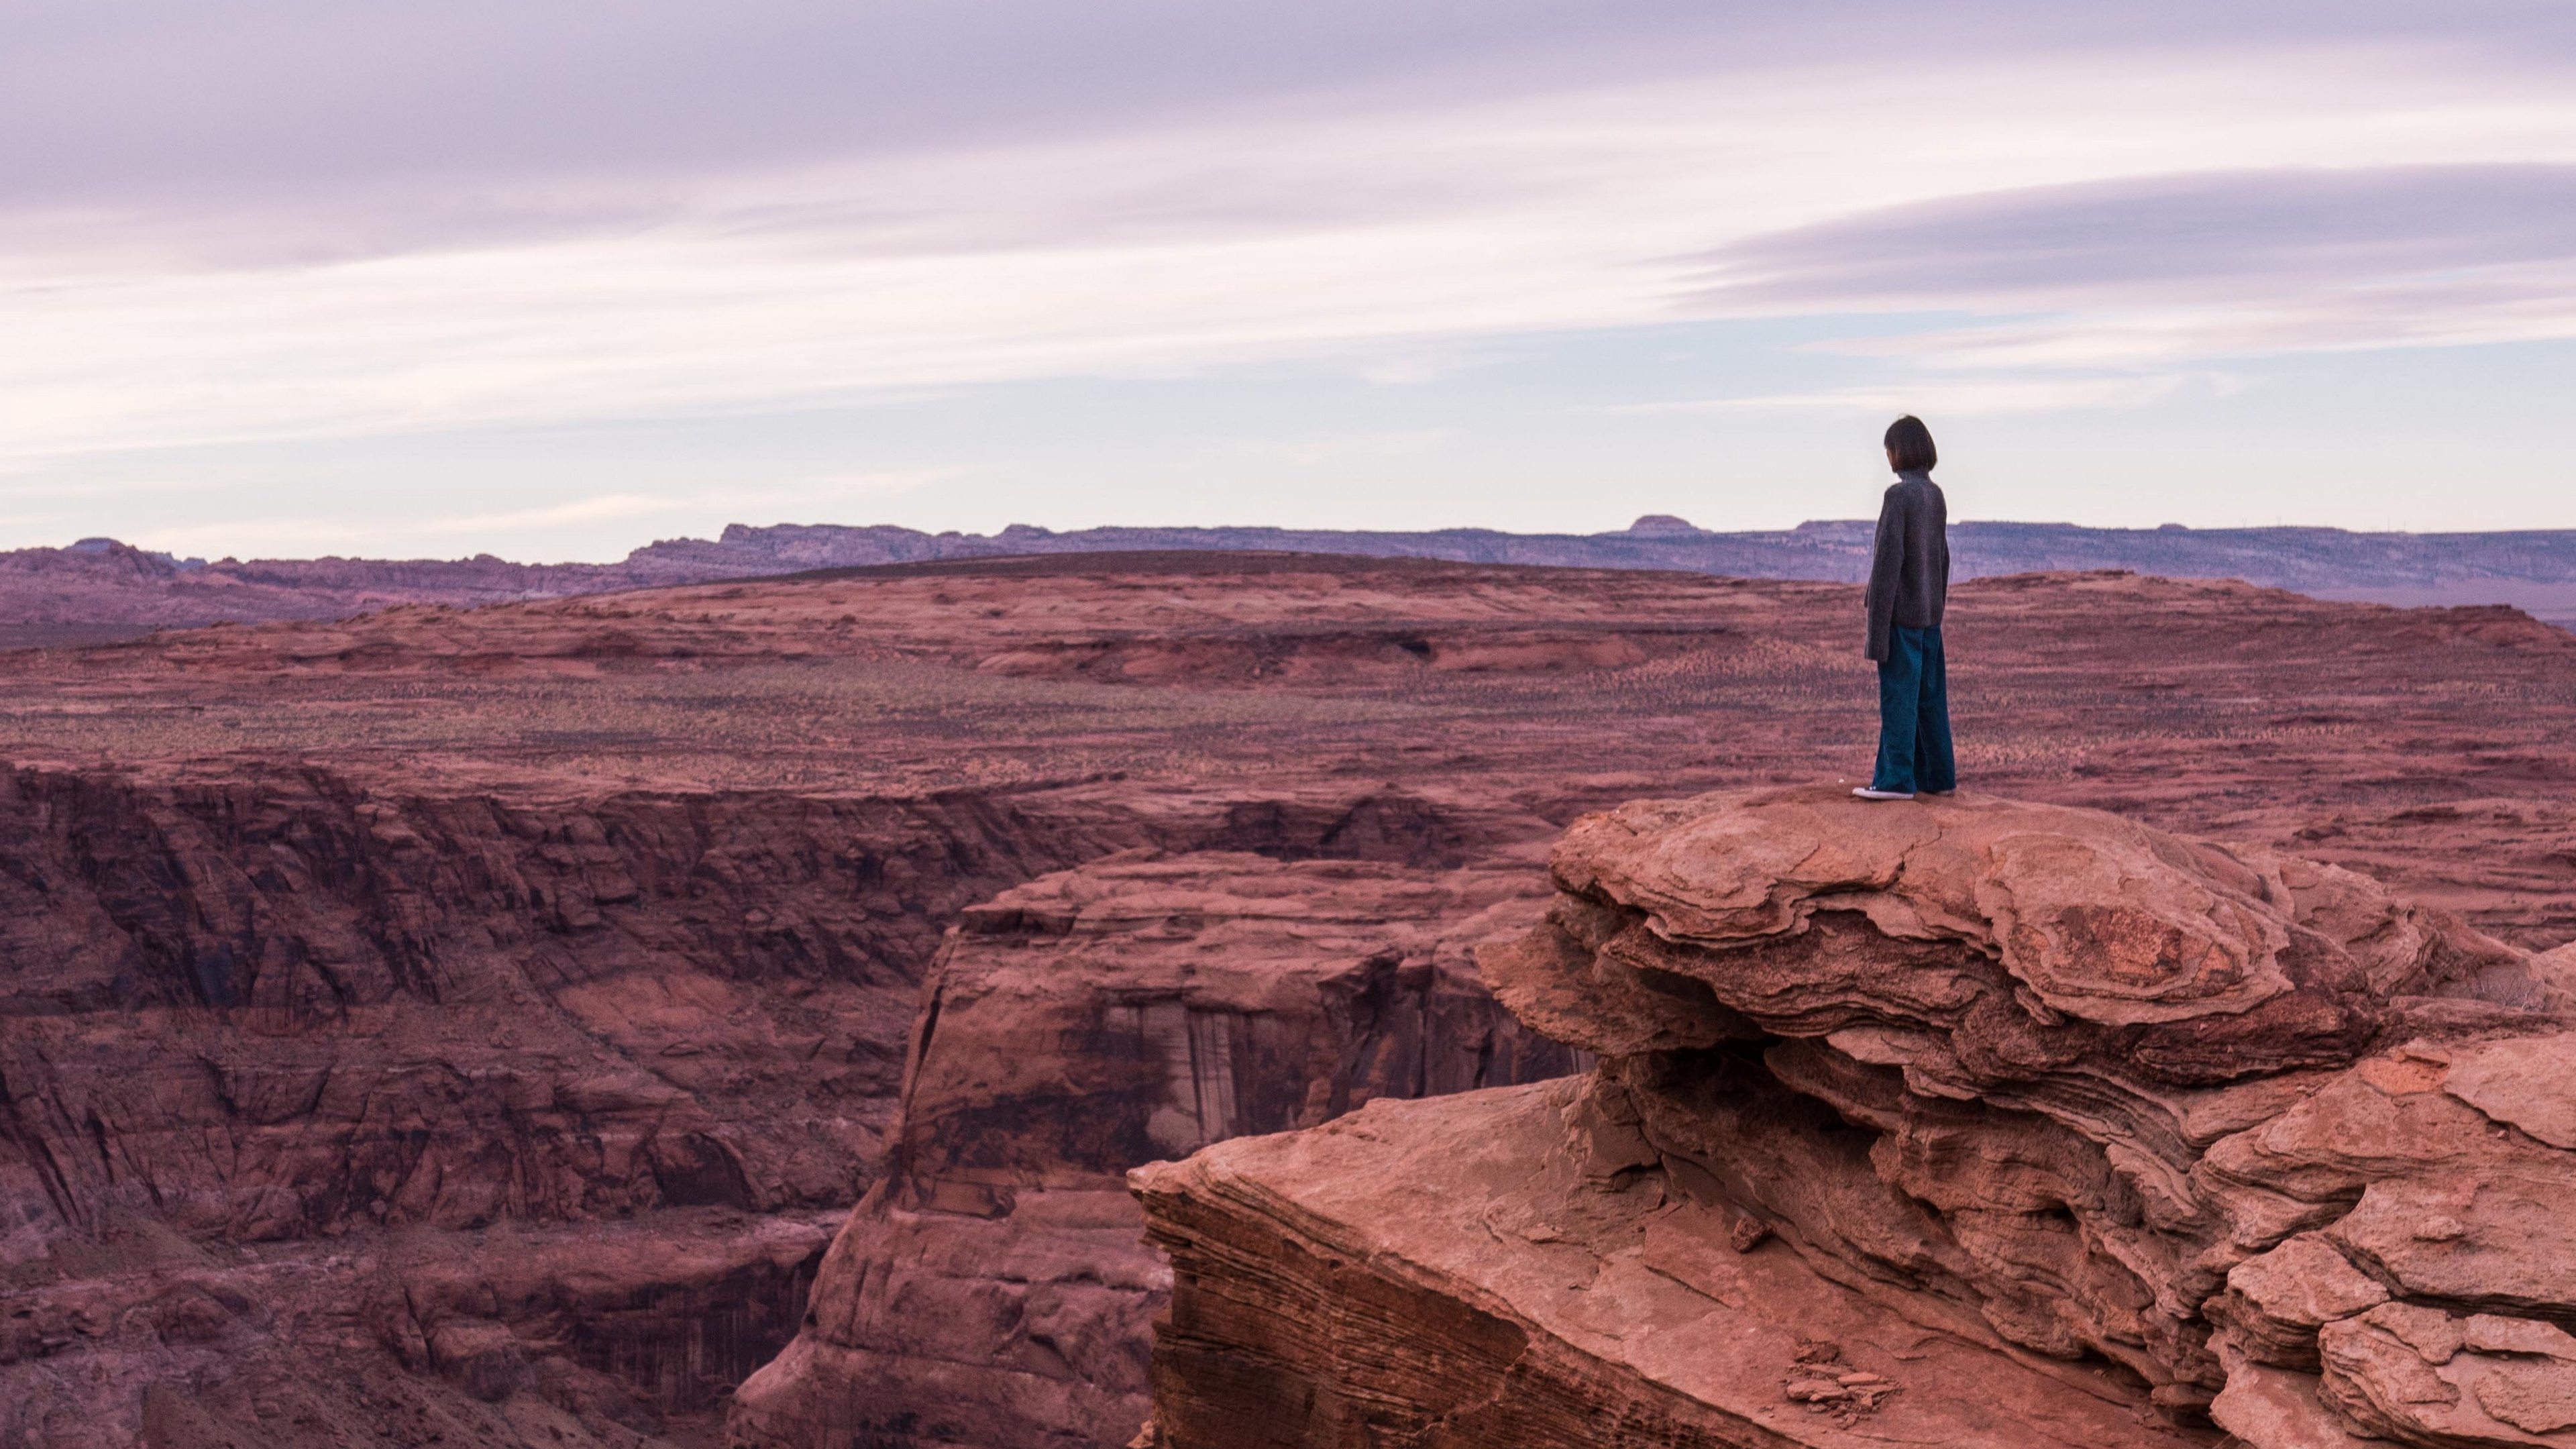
[[1909, 570]]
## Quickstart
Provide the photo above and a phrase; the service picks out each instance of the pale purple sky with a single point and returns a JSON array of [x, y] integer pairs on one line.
[[553, 280]]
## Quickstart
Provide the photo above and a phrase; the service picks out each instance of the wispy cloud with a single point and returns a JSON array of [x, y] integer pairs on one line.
[[2199, 236], [437, 532], [1340, 448], [328, 532], [2200, 264], [1158, 251], [1969, 397], [294, 221]]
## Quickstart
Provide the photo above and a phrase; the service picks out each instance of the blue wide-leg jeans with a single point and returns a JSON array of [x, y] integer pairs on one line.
[[1914, 715]]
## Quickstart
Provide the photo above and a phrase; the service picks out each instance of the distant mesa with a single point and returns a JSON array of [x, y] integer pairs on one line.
[[1663, 525], [103, 547], [100, 588]]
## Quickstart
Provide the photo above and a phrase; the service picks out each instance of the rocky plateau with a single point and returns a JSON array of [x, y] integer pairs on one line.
[[99, 589], [729, 1010]]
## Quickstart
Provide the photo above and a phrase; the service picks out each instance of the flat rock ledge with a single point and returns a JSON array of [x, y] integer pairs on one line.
[[1954, 1122]]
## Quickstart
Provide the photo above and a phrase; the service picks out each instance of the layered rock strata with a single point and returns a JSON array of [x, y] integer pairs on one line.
[[329, 1058], [993, 1289], [1456, 1272], [566, 1336], [2007, 1103]]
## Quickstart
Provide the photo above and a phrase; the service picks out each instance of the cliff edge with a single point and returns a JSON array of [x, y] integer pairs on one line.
[[993, 1287], [1961, 1122]]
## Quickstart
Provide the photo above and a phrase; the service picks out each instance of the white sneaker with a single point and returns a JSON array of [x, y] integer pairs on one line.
[[1867, 793]]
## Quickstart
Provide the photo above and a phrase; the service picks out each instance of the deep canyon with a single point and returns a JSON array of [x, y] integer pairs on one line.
[[729, 1011]]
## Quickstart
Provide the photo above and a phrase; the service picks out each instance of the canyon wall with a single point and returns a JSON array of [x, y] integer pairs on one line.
[[995, 1287], [1955, 1121], [554, 1095]]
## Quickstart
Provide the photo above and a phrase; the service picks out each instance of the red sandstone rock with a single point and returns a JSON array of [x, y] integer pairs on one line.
[[291, 1018], [1451, 1273], [994, 1290], [2431, 748], [509, 1336], [712, 836], [2199, 1122]]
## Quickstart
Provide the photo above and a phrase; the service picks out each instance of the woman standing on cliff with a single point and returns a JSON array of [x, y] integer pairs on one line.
[[1909, 581]]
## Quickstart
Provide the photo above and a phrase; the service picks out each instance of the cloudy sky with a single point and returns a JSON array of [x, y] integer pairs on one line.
[[553, 279]]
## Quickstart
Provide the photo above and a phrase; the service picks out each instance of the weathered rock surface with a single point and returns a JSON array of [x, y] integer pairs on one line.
[[378, 834], [2223, 1132], [994, 1288], [1465, 1271], [267, 1030], [512, 1337], [2432, 749]]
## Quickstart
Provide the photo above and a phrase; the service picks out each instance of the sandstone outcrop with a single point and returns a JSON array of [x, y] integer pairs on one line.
[[2023, 1108], [994, 1288]]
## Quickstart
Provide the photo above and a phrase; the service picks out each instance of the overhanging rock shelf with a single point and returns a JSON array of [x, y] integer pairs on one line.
[[1961, 1122]]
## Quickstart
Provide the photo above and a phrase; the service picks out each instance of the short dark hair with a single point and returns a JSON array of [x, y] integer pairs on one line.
[[1909, 446]]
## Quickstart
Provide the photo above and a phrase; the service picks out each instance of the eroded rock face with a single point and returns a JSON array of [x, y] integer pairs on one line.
[[994, 1289], [601, 1335], [1468, 1271], [294, 1070], [2227, 1134]]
